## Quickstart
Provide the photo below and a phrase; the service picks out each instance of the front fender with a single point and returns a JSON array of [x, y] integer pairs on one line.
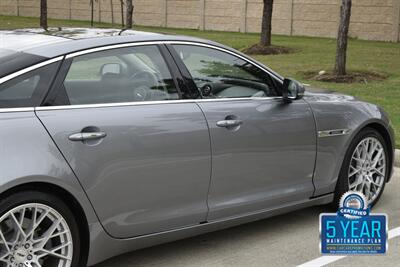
[[333, 112]]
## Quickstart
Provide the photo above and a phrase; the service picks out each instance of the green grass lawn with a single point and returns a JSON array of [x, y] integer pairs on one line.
[[314, 54]]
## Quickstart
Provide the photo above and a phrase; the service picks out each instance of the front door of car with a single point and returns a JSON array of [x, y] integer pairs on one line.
[[141, 154], [263, 150]]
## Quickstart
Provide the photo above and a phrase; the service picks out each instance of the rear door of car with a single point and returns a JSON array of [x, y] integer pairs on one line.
[[263, 149], [141, 153]]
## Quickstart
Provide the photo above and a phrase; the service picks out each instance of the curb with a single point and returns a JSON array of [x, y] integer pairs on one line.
[[397, 158]]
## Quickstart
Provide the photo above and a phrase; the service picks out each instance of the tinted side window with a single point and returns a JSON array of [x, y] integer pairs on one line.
[[221, 75], [27, 90], [120, 75]]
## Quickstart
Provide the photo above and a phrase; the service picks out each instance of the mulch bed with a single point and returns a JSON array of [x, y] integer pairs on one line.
[[258, 49], [350, 77]]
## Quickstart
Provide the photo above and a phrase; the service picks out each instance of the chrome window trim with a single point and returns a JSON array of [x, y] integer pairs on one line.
[[116, 46], [143, 103], [28, 69], [21, 72], [8, 110], [264, 68], [110, 47]]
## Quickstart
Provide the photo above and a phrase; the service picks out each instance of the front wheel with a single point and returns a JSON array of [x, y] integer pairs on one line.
[[37, 229], [365, 167]]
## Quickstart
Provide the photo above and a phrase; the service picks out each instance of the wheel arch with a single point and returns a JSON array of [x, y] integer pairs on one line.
[[380, 128], [384, 132], [69, 199]]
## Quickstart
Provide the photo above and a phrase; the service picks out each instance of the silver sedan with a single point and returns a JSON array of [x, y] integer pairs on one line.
[[114, 140]]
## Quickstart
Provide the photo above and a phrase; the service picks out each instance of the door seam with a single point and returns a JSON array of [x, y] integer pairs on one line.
[[72, 170], [211, 161], [316, 146]]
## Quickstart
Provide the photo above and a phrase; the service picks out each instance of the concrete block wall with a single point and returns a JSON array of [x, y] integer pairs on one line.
[[8, 7], [374, 19], [315, 17], [182, 13], [223, 15], [371, 19]]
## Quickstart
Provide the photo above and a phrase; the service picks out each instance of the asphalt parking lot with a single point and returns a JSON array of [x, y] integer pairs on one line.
[[286, 240]]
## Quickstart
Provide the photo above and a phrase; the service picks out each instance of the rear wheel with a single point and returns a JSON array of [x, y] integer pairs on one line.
[[37, 229], [365, 167]]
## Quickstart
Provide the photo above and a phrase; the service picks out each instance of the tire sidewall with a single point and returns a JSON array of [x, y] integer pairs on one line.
[[58, 205]]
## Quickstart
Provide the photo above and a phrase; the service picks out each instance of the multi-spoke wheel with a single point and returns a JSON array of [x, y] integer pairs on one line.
[[365, 166], [367, 171], [38, 230]]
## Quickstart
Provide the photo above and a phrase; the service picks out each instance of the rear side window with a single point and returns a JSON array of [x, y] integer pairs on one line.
[[129, 74], [12, 61], [29, 89], [90, 69]]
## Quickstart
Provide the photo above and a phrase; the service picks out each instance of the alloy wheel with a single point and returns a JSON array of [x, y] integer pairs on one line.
[[35, 235], [367, 170]]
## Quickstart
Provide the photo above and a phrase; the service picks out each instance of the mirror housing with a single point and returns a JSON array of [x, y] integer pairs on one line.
[[113, 68], [292, 90]]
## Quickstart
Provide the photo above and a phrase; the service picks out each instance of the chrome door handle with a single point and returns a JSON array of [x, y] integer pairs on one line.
[[87, 136], [229, 123]]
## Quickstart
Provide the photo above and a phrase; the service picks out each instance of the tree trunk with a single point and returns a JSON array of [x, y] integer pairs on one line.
[[122, 13], [266, 26], [91, 12], [112, 12], [129, 14], [43, 14], [341, 51]]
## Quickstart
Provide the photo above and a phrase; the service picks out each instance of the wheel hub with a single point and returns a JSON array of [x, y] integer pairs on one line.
[[366, 169], [21, 255]]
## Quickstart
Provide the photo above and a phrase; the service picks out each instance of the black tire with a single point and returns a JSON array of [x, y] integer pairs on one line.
[[52, 201], [342, 185]]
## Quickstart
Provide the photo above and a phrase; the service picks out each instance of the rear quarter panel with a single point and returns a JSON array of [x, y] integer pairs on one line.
[[28, 154]]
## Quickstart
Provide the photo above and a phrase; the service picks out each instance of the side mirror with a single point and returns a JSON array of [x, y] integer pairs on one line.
[[292, 90]]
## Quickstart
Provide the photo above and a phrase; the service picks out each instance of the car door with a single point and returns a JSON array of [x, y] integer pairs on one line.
[[141, 154], [263, 149]]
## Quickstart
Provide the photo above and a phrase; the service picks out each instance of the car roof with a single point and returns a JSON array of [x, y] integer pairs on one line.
[[60, 41], [55, 42]]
